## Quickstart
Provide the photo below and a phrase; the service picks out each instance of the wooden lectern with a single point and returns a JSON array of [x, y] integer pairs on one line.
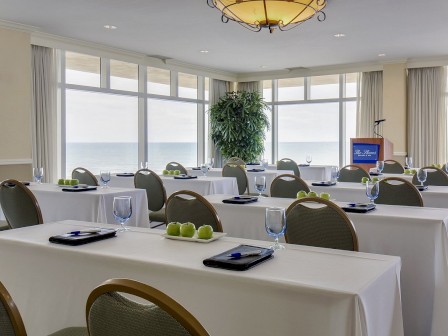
[[366, 151]]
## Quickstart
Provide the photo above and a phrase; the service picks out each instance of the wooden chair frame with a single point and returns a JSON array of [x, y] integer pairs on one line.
[[157, 178], [355, 166], [399, 179], [295, 177], [236, 160], [290, 160], [178, 312], [440, 171], [180, 167], [88, 172], [393, 162], [232, 165], [13, 311]]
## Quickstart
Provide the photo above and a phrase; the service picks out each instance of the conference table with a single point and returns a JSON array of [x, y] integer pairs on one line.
[[418, 235], [434, 196], [93, 205], [269, 174], [203, 185], [301, 291]]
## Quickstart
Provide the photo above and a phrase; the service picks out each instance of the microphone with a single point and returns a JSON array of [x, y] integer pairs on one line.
[[379, 121]]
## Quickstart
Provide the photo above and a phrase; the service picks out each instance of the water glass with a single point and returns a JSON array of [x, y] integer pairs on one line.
[[260, 184], [105, 178], [334, 174], [446, 167], [309, 158], [408, 162], [122, 210], [275, 224], [421, 176], [38, 174], [211, 162], [204, 169], [372, 190], [264, 163], [144, 165], [379, 166]]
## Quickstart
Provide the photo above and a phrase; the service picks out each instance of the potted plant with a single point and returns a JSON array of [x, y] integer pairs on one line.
[[238, 124]]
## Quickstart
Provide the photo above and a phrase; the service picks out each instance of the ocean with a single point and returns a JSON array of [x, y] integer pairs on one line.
[[123, 157]]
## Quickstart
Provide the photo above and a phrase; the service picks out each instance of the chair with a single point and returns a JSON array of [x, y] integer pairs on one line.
[[84, 176], [19, 205], [352, 173], [151, 182], [288, 164], [287, 186], [176, 166], [435, 177], [11, 323], [398, 191], [236, 160], [393, 167], [194, 208], [109, 313], [323, 226], [233, 170]]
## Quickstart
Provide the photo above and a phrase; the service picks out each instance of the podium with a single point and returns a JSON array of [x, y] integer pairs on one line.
[[366, 151]]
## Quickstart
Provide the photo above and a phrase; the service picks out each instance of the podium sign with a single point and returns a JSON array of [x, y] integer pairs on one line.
[[365, 153]]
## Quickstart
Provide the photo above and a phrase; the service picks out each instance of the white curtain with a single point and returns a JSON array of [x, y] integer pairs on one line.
[[370, 104], [44, 90], [218, 89], [250, 86], [427, 129]]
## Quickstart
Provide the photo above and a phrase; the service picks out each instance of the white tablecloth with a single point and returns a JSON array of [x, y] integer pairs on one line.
[[434, 196], [417, 235], [312, 172], [92, 206], [269, 174], [301, 291], [204, 185]]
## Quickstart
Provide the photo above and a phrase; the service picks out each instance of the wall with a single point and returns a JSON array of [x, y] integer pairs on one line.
[[394, 108], [15, 105]]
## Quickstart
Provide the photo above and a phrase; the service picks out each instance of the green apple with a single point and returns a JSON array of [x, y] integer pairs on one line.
[[375, 179], [407, 171], [312, 194], [67, 182], [177, 172], [187, 230], [364, 179], [301, 194], [439, 166], [74, 182], [171, 172], [61, 181], [414, 171], [205, 232], [325, 195], [173, 229], [165, 172]]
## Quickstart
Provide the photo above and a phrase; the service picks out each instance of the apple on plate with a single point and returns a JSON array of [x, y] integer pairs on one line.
[[67, 182], [375, 179], [171, 172], [325, 195], [177, 172], [301, 194], [173, 229], [187, 230], [413, 171], [61, 181], [407, 171], [74, 182], [312, 194], [364, 180], [165, 172], [205, 232]]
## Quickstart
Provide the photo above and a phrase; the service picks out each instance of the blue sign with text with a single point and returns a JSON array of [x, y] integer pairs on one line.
[[365, 153]]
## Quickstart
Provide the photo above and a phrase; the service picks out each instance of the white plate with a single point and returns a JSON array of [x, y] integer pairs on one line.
[[216, 236], [78, 185]]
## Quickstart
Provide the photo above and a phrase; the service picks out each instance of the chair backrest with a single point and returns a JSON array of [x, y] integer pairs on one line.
[[435, 177], [176, 166], [323, 225], [188, 206], [11, 323], [352, 173], [233, 170], [236, 160], [109, 313], [398, 191], [152, 183], [288, 164], [19, 205], [393, 167], [84, 176], [287, 186]]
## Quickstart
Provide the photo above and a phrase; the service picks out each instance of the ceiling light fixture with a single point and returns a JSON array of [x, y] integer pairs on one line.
[[257, 14], [381, 55], [339, 35], [203, 51], [110, 27]]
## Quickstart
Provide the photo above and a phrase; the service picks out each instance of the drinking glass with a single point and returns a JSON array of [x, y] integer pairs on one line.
[[309, 158], [122, 210], [372, 190], [105, 178], [408, 162], [379, 166], [446, 167], [421, 176], [275, 224], [334, 174], [144, 165], [38, 174], [204, 169], [264, 163], [260, 184], [211, 162]]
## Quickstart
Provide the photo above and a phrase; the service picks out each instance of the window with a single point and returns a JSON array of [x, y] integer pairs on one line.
[[291, 89], [159, 81], [123, 76], [82, 69], [188, 86], [324, 87]]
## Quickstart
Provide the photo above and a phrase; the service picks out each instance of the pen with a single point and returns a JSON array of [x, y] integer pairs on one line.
[[75, 233], [238, 255]]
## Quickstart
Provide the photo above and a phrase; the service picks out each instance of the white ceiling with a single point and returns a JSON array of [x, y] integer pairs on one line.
[[179, 29]]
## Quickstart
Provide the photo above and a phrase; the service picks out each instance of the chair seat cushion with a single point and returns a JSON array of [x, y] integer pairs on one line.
[[157, 216], [72, 331]]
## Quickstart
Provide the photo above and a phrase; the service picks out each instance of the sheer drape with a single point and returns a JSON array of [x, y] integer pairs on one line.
[[427, 133], [44, 110], [370, 104], [250, 86], [218, 89]]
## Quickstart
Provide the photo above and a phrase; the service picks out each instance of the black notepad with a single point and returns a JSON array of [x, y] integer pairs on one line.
[[421, 188], [125, 174], [375, 174], [323, 183], [241, 199], [184, 177], [223, 260], [79, 189], [80, 239], [256, 170], [359, 207]]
